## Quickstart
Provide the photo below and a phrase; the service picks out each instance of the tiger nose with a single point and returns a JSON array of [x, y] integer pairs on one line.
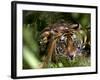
[[71, 57]]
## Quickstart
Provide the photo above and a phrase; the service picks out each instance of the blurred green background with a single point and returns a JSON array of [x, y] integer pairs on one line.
[[34, 22]]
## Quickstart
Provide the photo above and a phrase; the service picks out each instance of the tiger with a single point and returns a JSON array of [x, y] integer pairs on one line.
[[64, 39]]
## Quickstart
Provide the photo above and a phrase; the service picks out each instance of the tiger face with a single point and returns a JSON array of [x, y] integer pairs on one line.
[[66, 47]]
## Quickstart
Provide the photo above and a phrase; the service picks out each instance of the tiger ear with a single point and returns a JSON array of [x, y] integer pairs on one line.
[[76, 26]]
